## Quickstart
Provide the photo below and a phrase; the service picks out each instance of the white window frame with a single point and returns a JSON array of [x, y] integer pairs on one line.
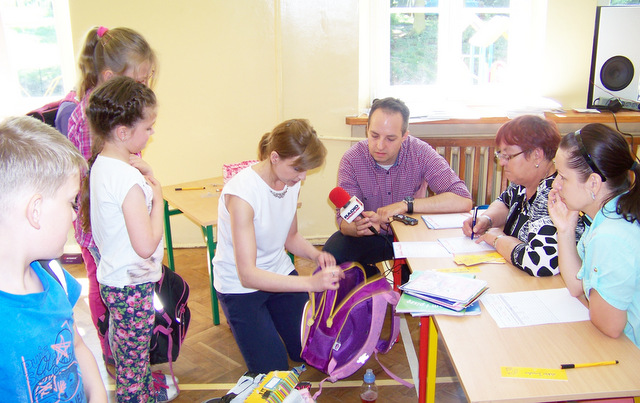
[[526, 46], [12, 100]]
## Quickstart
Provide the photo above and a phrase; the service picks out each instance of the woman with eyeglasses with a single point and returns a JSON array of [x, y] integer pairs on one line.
[[517, 223], [598, 175]]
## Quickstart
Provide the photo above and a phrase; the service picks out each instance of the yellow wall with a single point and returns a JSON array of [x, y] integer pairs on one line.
[[231, 70]]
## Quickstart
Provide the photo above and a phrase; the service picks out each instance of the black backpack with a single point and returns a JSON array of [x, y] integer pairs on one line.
[[47, 113], [172, 318]]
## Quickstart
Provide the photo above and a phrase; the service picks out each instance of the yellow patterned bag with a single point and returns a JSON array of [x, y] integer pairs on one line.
[[274, 388]]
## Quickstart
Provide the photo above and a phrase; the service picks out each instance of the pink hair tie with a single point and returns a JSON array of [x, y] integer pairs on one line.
[[101, 31]]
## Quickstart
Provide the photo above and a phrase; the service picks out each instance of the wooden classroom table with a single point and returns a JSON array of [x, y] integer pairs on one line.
[[201, 207], [479, 348]]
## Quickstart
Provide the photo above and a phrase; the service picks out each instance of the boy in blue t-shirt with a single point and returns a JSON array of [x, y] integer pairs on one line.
[[43, 356]]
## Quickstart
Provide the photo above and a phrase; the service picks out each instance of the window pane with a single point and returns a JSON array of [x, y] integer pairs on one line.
[[485, 47], [35, 54], [486, 3], [413, 3], [32, 47], [414, 49], [624, 2]]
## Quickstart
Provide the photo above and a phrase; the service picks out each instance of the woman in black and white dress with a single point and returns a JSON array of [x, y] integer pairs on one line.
[[517, 223]]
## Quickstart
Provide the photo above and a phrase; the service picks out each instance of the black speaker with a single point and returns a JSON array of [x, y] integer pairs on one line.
[[615, 61]]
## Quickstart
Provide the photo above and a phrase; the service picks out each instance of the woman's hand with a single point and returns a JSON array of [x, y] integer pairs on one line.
[[325, 259], [490, 236], [483, 224], [327, 279], [563, 218]]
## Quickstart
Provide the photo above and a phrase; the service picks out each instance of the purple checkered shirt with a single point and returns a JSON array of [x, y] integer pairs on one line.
[[80, 137]]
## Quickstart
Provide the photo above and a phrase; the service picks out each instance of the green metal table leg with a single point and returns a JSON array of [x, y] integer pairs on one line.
[[211, 252], [167, 234]]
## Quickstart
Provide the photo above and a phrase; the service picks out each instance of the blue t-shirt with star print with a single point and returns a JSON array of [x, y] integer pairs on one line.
[[36, 343]]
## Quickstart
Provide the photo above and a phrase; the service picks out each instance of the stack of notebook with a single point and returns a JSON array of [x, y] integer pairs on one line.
[[448, 290]]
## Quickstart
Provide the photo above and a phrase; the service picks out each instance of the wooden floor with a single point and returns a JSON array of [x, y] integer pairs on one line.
[[210, 362]]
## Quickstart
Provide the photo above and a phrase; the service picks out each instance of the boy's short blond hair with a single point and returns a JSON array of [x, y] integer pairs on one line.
[[34, 157]]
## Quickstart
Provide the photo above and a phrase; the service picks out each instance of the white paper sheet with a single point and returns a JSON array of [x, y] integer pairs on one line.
[[464, 244], [440, 221], [528, 308], [419, 249]]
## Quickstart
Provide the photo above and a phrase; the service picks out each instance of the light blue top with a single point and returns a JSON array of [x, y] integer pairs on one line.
[[609, 249]]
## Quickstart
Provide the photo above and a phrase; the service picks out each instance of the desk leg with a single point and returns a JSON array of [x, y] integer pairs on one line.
[[211, 252], [167, 234], [428, 358]]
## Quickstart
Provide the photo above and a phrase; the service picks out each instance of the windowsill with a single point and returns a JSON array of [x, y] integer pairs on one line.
[[623, 116]]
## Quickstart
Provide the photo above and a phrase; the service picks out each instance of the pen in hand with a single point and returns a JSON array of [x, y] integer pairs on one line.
[[473, 222], [590, 364]]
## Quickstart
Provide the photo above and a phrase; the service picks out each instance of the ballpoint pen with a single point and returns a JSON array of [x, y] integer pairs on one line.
[[473, 222]]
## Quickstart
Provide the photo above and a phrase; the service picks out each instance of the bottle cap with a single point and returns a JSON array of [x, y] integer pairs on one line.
[[369, 376]]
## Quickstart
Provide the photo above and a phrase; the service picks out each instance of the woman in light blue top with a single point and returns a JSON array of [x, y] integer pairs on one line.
[[598, 175]]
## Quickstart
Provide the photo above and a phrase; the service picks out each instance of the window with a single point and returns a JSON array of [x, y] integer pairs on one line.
[[36, 55], [432, 53], [623, 2]]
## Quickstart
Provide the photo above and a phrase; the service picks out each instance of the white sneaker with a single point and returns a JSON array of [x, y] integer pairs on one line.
[[166, 389]]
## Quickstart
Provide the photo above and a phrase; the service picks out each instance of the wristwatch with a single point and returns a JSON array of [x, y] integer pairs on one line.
[[409, 201]]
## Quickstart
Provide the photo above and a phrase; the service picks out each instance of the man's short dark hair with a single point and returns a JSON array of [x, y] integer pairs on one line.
[[392, 105]]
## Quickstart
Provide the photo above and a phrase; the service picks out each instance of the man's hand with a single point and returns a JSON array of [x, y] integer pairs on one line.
[[385, 213], [366, 220]]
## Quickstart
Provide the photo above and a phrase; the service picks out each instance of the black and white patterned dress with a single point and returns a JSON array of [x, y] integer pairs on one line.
[[529, 221]]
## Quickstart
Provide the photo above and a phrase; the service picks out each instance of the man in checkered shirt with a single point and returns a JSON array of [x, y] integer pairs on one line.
[[390, 172]]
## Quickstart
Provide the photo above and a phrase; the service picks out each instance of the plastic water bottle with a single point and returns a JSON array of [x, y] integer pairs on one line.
[[369, 390]]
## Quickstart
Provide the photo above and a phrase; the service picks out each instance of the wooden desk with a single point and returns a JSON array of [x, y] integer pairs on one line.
[[201, 207], [478, 347]]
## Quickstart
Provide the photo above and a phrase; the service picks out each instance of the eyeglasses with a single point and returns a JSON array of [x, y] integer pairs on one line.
[[587, 156], [507, 157]]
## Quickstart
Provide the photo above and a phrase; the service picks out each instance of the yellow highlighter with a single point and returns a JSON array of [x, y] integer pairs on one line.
[[589, 364]]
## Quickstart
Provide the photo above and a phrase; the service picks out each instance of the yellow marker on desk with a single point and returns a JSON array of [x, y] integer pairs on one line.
[[589, 364], [192, 188], [533, 373]]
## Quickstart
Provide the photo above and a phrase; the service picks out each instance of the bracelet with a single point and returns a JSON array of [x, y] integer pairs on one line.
[[496, 240], [490, 220]]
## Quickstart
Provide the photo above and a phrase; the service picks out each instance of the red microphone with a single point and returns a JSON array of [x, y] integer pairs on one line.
[[350, 206]]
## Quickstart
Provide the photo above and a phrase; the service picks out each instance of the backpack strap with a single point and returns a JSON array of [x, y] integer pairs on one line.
[[392, 375], [384, 346], [315, 395], [159, 307], [168, 333]]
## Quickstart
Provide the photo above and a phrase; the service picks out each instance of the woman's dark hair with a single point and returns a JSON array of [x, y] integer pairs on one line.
[[608, 150], [294, 138], [121, 101], [530, 132]]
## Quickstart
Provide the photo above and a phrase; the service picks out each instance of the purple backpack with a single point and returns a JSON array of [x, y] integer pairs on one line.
[[342, 328]]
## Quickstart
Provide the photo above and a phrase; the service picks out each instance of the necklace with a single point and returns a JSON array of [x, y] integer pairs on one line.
[[280, 194]]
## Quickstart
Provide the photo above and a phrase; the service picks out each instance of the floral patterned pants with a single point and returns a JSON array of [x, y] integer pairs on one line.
[[131, 321]]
